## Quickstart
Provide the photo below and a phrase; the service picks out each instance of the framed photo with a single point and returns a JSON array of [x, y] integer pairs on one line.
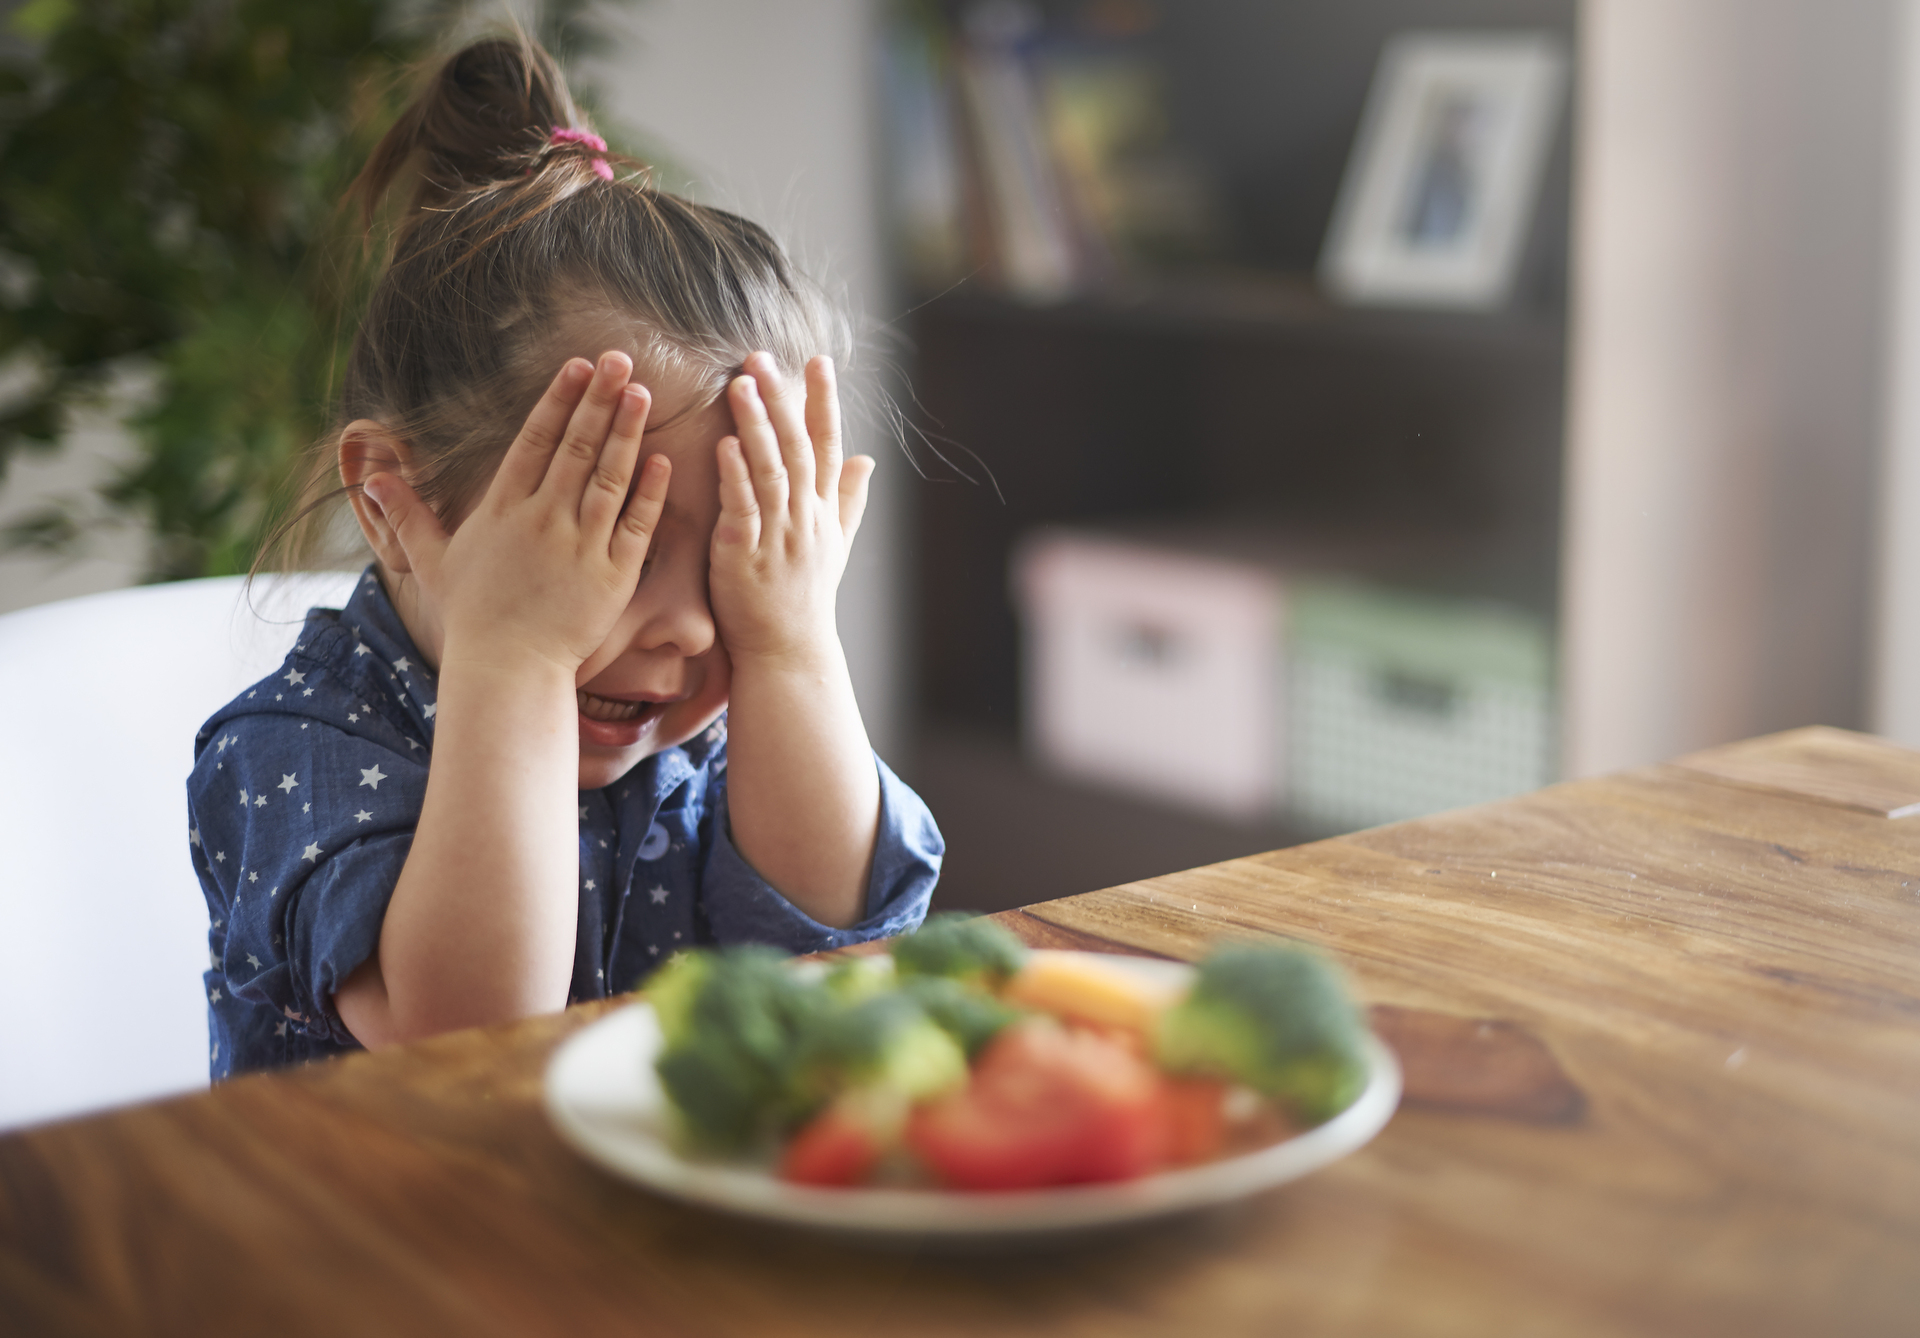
[[1437, 198]]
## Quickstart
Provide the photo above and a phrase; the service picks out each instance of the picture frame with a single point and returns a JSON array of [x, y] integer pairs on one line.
[[1438, 194]]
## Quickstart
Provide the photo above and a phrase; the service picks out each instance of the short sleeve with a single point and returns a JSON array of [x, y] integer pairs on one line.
[[301, 830], [742, 907]]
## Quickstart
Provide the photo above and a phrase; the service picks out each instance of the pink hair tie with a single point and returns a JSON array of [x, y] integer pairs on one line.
[[566, 134]]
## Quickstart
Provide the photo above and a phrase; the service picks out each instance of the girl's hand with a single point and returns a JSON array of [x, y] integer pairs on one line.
[[546, 562], [789, 507]]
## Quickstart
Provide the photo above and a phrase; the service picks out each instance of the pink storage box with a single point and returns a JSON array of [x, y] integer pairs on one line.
[[1153, 671]]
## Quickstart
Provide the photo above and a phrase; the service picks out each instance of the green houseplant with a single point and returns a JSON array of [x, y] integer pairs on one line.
[[168, 177]]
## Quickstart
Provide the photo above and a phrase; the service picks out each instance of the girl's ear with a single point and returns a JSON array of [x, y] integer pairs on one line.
[[366, 449]]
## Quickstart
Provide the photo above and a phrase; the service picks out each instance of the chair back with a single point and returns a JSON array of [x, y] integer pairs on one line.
[[103, 927]]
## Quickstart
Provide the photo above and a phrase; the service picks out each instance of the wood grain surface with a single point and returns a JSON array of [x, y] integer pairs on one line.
[[1664, 1036], [1831, 766]]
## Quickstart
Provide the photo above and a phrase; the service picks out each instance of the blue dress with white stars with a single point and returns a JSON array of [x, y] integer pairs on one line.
[[302, 804]]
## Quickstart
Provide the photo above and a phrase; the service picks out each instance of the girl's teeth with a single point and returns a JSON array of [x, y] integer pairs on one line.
[[605, 708]]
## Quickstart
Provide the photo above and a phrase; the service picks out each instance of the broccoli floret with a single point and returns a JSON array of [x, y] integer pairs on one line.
[[855, 978], [967, 1015], [732, 1020], [1272, 1017], [965, 947], [885, 1042], [672, 989]]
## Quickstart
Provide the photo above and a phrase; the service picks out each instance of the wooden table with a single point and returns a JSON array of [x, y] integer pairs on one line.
[[1662, 1033]]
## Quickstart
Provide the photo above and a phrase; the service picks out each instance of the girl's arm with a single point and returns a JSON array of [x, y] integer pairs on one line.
[[482, 921], [803, 791]]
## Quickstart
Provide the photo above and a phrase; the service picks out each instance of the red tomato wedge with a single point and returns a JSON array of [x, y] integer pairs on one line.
[[834, 1148], [1046, 1106], [1196, 1120]]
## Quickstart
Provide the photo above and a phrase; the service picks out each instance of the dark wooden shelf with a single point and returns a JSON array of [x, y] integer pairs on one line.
[[1261, 305]]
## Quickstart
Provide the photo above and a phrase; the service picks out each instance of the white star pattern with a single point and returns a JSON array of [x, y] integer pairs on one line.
[[429, 709], [260, 801], [413, 743], [402, 664], [243, 799], [306, 692], [271, 894], [295, 678], [306, 808], [223, 745], [591, 884], [372, 775], [287, 782], [653, 949], [214, 997], [280, 1029], [353, 717], [659, 895], [254, 877], [193, 836], [583, 812], [363, 816], [220, 857], [312, 852], [253, 961], [361, 649]]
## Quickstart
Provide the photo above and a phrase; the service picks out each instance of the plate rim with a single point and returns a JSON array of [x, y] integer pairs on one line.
[[647, 1160]]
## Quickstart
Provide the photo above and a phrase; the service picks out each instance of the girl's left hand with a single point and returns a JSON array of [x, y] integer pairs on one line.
[[789, 506]]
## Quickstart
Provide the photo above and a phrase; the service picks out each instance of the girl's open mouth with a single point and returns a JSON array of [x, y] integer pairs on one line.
[[610, 709], [608, 722]]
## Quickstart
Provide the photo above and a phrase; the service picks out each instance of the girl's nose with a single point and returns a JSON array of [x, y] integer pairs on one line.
[[678, 619]]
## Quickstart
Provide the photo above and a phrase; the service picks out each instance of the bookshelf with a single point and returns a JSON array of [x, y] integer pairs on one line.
[[1224, 395]]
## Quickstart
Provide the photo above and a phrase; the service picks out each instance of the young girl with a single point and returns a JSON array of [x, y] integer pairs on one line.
[[588, 705]]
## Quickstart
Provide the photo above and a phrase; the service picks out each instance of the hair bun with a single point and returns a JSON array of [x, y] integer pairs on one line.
[[485, 115]]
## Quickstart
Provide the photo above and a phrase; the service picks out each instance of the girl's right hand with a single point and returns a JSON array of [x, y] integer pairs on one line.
[[545, 563]]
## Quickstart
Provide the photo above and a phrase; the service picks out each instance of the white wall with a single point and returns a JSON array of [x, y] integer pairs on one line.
[[767, 105], [1896, 677], [1731, 204]]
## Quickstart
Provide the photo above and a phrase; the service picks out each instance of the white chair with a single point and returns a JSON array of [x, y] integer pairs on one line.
[[103, 929]]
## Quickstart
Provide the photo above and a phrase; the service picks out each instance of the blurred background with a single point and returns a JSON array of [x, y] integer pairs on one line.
[[1293, 415]]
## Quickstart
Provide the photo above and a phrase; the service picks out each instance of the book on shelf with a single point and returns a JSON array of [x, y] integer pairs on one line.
[[1044, 163]]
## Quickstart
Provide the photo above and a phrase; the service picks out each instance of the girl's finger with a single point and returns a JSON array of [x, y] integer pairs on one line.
[[853, 495], [415, 528], [606, 492], [823, 425], [786, 411], [640, 518], [585, 439], [765, 464], [525, 462], [739, 525]]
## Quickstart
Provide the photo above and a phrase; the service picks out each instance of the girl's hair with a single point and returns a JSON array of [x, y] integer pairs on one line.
[[510, 240]]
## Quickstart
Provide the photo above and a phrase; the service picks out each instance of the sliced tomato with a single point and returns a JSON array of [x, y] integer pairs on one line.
[[1196, 1120], [1046, 1106], [835, 1148]]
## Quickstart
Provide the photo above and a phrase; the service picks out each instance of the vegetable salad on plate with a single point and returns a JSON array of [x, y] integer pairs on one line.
[[961, 1059]]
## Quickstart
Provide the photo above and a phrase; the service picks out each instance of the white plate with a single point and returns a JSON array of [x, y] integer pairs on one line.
[[603, 1097]]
